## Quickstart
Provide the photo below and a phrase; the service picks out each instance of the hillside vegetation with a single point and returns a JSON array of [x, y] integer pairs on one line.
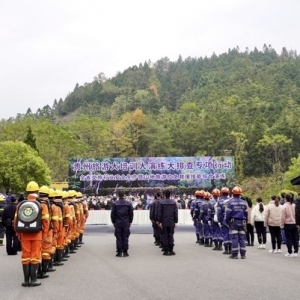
[[245, 104]]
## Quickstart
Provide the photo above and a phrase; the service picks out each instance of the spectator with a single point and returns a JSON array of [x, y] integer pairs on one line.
[[257, 219], [273, 219], [288, 222], [250, 228]]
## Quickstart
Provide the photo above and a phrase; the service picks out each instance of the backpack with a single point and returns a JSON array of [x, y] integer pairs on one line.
[[29, 217]]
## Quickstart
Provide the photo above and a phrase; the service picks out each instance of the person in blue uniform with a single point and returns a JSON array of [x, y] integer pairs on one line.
[[236, 220], [221, 208], [122, 217], [12, 241], [168, 218]]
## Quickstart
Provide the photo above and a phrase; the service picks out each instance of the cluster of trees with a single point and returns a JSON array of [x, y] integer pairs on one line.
[[243, 103]]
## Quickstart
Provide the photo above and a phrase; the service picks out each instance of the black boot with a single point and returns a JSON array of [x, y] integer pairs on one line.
[[72, 248], [201, 241], [66, 251], [171, 251], [77, 243], [119, 253], [125, 253], [50, 264], [233, 256], [80, 239], [216, 246], [229, 248], [42, 269], [197, 238], [33, 274], [26, 271], [220, 246], [58, 258], [225, 249], [206, 243], [166, 253]]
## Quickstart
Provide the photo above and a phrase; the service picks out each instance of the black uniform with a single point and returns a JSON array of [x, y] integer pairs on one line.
[[168, 217], [12, 242], [122, 217]]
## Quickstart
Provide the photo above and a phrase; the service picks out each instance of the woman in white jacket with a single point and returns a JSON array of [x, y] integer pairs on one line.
[[273, 220], [257, 219]]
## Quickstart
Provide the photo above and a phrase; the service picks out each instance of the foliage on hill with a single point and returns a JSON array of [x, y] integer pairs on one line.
[[243, 103]]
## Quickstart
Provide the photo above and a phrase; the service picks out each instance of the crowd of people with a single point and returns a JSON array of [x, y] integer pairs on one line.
[[227, 219]]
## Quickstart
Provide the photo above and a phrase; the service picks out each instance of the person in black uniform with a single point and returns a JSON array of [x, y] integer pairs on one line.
[[153, 208], [12, 242], [3, 204], [168, 218], [122, 217]]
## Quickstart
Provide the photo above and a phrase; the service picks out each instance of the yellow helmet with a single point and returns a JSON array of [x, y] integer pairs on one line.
[[2, 198], [44, 190], [52, 193], [59, 193], [32, 186], [79, 195], [72, 194]]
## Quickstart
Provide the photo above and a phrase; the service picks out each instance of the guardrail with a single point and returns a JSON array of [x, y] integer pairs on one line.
[[141, 217]]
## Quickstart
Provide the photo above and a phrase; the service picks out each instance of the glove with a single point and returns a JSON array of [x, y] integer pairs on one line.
[[220, 225], [209, 223]]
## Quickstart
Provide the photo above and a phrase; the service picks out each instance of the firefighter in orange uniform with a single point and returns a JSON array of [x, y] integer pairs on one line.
[[68, 223], [57, 202], [31, 241], [45, 266], [73, 230]]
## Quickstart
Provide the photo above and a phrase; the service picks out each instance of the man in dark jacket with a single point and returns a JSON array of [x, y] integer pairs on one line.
[[168, 218], [122, 217], [297, 210], [12, 242]]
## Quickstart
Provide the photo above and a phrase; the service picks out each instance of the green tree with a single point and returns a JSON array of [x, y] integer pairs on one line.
[[19, 164], [30, 140]]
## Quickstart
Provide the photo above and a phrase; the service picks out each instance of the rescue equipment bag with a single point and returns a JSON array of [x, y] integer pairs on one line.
[[29, 217]]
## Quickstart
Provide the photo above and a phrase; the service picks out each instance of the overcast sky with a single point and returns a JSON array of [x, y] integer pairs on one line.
[[48, 46]]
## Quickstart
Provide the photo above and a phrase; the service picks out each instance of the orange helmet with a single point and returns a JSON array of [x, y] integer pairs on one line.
[[216, 192], [206, 195], [199, 193], [224, 190], [237, 190]]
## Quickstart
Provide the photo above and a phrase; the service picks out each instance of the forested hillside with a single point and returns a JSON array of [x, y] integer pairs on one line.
[[246, 104]]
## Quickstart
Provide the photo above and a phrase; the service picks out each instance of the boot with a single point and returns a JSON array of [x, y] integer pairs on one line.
[[198, 238], [42, 269], [201, 242], [58, 258], [33, 274], [225, 249], [50, 264], [77, 243], [166, 253], [171, 251], [125, 253], [80, 239], [66, 251], [26, 271], [119, 253], [206, 243], [229, 248], [220, 248], [233, 256], [210, 242], [72, 250], [216, 246]]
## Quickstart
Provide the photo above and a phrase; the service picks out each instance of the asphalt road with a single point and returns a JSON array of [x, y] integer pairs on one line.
[[195, 272]]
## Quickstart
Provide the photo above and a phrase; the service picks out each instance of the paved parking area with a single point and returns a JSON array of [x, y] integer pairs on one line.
[[195, 272]]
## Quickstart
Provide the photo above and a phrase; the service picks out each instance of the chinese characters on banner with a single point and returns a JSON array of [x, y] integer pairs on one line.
[[152, 171]]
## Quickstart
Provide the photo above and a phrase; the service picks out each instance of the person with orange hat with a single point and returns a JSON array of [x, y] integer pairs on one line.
[[47, 250], [213, 219], [205, 221], [236, 216], [222, 204], [30, 223], [199, 224]]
